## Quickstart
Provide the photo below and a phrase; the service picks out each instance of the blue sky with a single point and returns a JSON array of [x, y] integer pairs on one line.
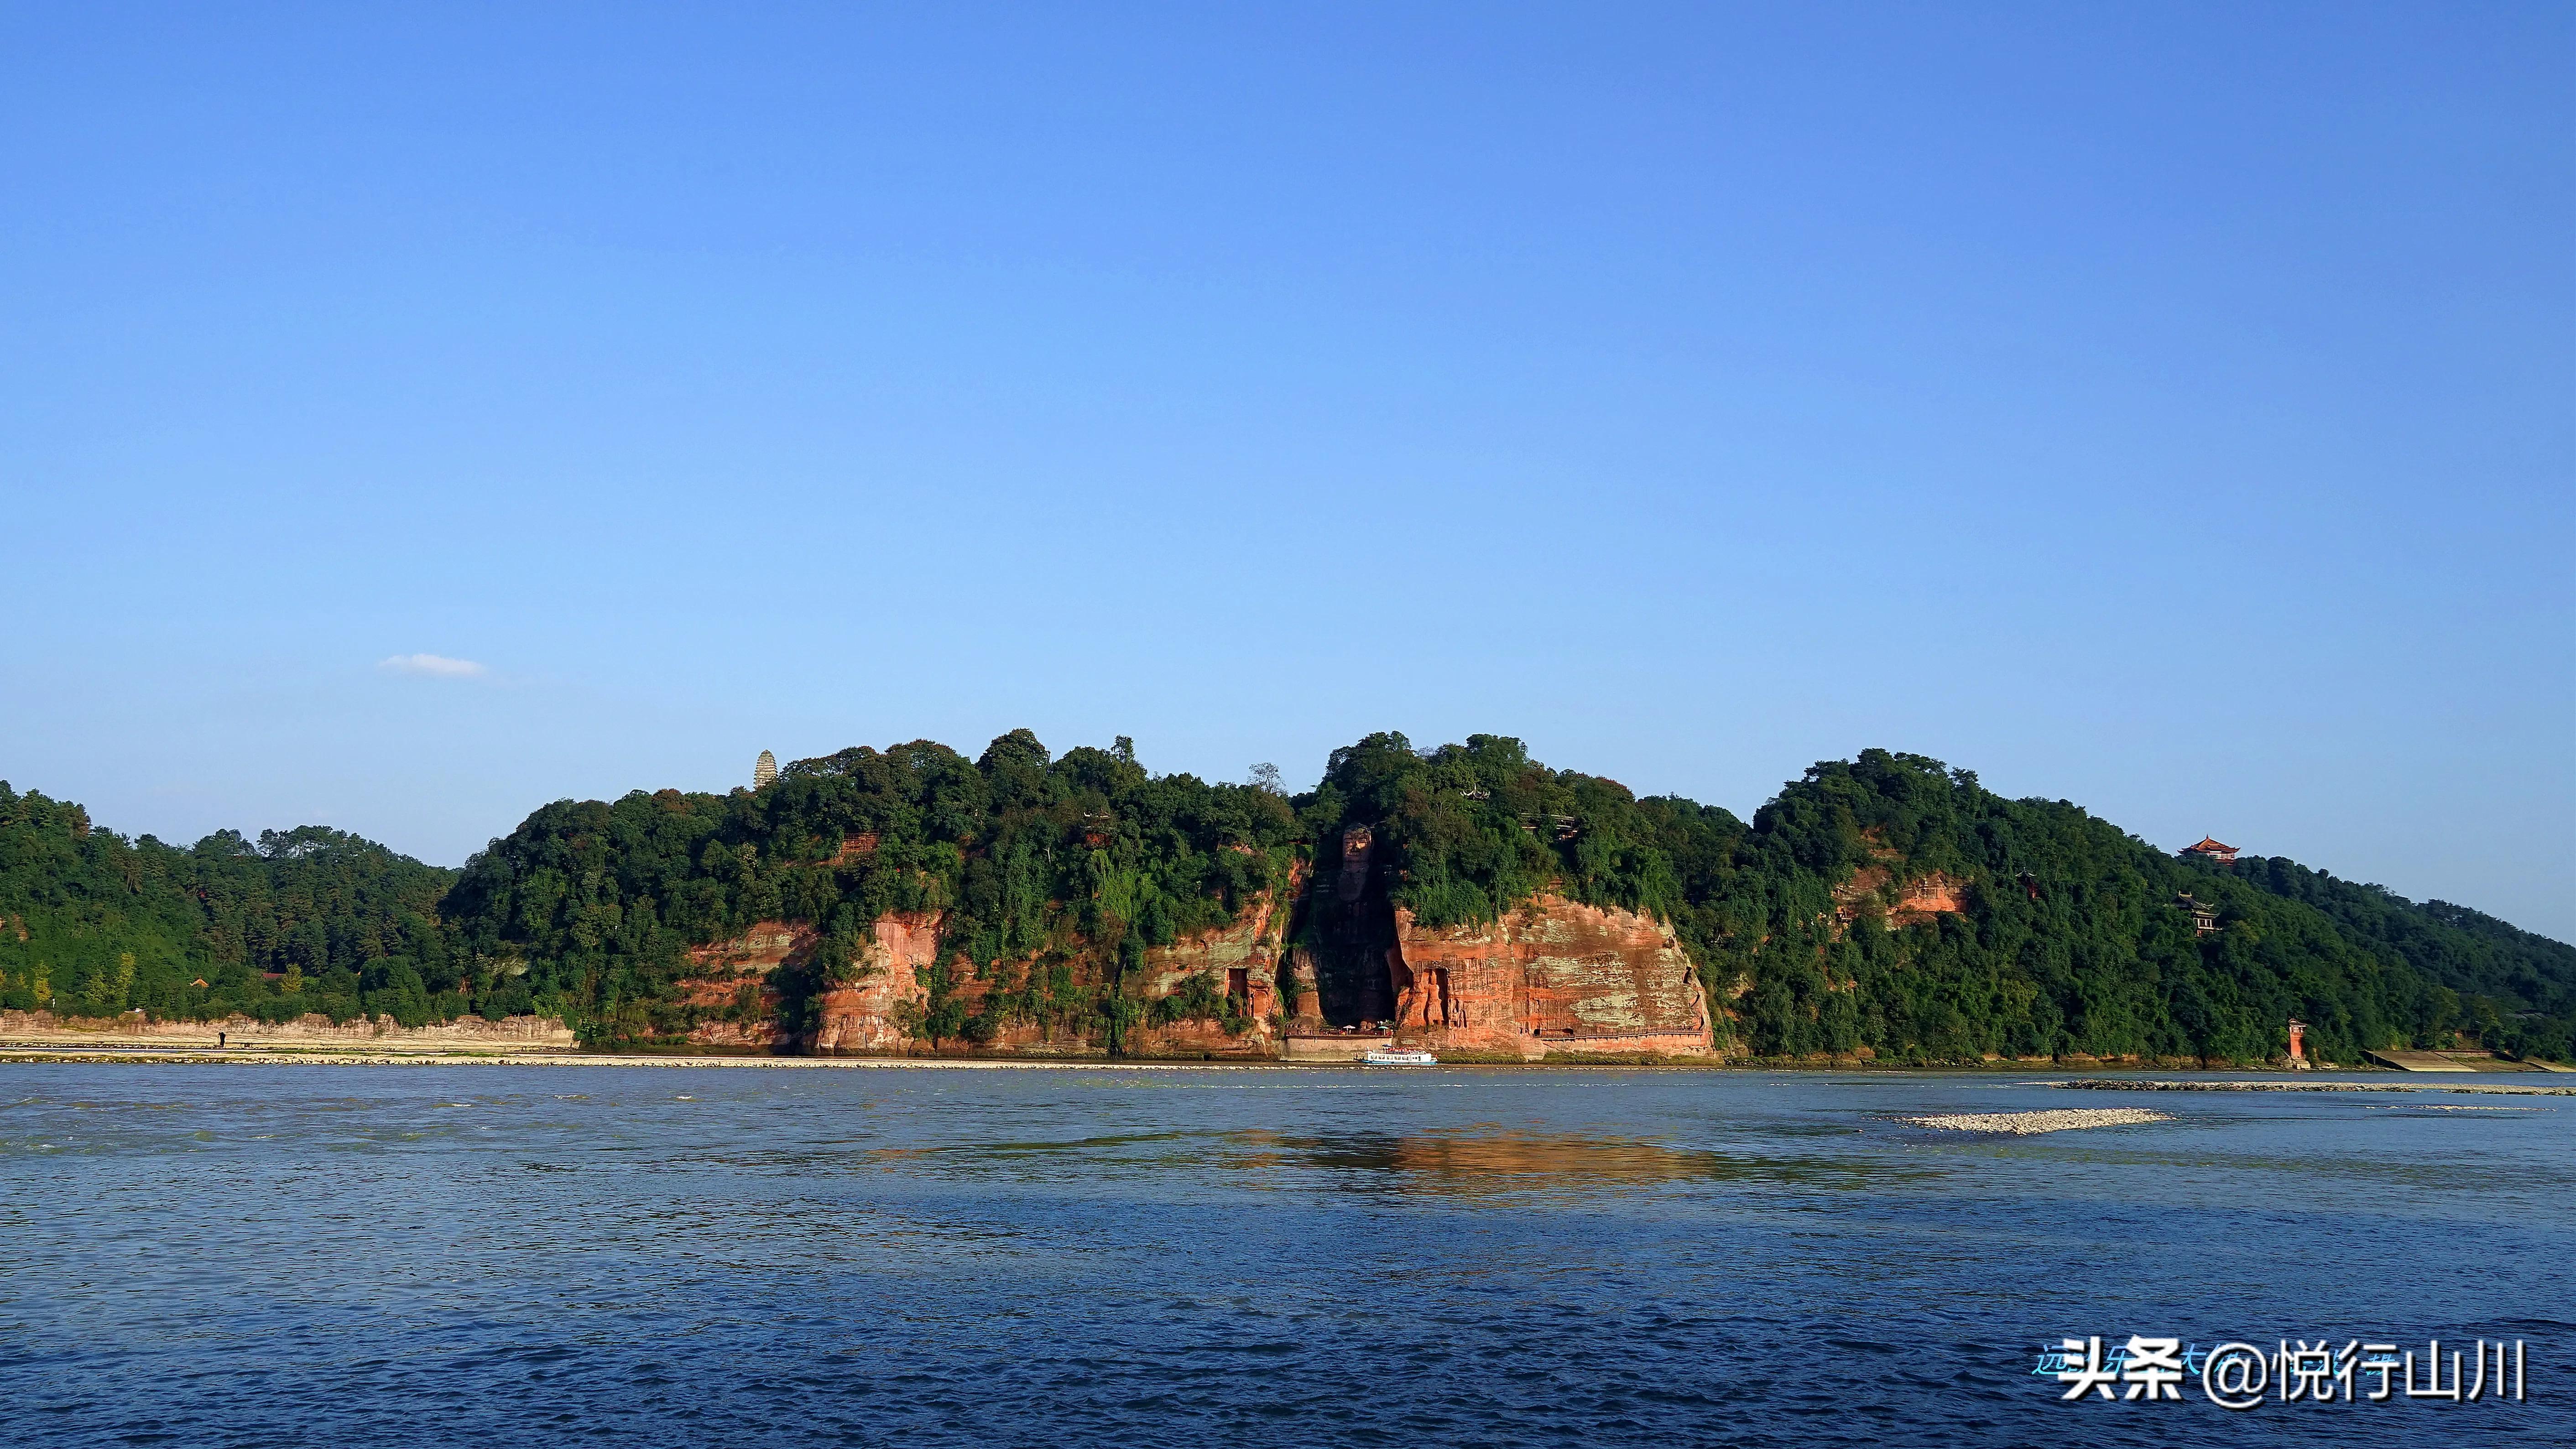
[[2171, 409]]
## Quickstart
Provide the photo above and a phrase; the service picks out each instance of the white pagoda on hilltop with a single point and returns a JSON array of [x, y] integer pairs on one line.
[[764, 770]]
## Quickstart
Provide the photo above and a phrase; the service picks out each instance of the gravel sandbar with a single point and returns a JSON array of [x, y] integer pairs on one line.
[[2028, 1124]]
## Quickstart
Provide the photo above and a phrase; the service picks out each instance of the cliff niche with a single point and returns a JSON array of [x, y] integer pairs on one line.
[[1553, 978], [1344, 930], [1321, 969]]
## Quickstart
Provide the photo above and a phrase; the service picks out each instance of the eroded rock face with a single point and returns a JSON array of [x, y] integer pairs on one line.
[[736, 974], [1241, 960], [871, 1013], [1931, 895], [865, 1016], [862, 1016], [1918, 899], [1554, 977]]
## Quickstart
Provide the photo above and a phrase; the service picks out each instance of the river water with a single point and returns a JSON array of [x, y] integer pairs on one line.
[[715, 1256]]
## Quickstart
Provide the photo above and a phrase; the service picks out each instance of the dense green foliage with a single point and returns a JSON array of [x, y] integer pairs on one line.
[[1480, 826], [92, 924], [1053, 877], [2516, 990], [2072, 939]]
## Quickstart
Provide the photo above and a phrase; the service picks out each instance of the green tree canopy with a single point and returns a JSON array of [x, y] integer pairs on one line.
[[1053, 876]]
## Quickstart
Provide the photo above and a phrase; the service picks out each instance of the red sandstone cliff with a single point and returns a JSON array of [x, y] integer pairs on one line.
[[865, 1016], [733, 977], [733, 981], [1554, 977], [1910, 902], [1242, 961]]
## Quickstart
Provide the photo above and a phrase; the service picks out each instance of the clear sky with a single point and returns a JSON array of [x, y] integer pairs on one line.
[[2170, 409]]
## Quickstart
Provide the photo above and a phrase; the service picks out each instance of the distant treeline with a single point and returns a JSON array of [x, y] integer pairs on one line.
[[92, 924], [1054, 875]]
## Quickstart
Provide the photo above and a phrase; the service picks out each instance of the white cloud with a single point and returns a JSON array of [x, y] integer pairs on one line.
[[433, 664]]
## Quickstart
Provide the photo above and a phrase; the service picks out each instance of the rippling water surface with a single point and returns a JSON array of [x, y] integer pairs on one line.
[[444, 1254]]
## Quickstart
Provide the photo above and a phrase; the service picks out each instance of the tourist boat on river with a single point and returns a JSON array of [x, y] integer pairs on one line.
[[1388, 1056]]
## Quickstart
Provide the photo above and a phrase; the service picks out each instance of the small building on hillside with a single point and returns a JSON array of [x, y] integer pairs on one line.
[[2204, 916], [2211, 851], [764, 770]]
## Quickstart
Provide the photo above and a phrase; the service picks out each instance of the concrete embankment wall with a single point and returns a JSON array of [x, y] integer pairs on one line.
[[312, 1031], [1660, 1043], [1335, 1047]]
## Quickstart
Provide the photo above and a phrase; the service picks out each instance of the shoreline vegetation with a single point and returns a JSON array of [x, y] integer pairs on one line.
[[1883, 911]]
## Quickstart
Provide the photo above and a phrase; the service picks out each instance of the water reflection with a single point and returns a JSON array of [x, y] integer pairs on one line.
[[1482, 1164], [1506, 1162], [1460, 1162]]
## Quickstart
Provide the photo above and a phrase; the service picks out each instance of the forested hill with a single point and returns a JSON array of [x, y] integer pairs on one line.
[[2072, 937], [1886, 902], [1056, 873], [2516, 989], [1893, 903], [93, 924]]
